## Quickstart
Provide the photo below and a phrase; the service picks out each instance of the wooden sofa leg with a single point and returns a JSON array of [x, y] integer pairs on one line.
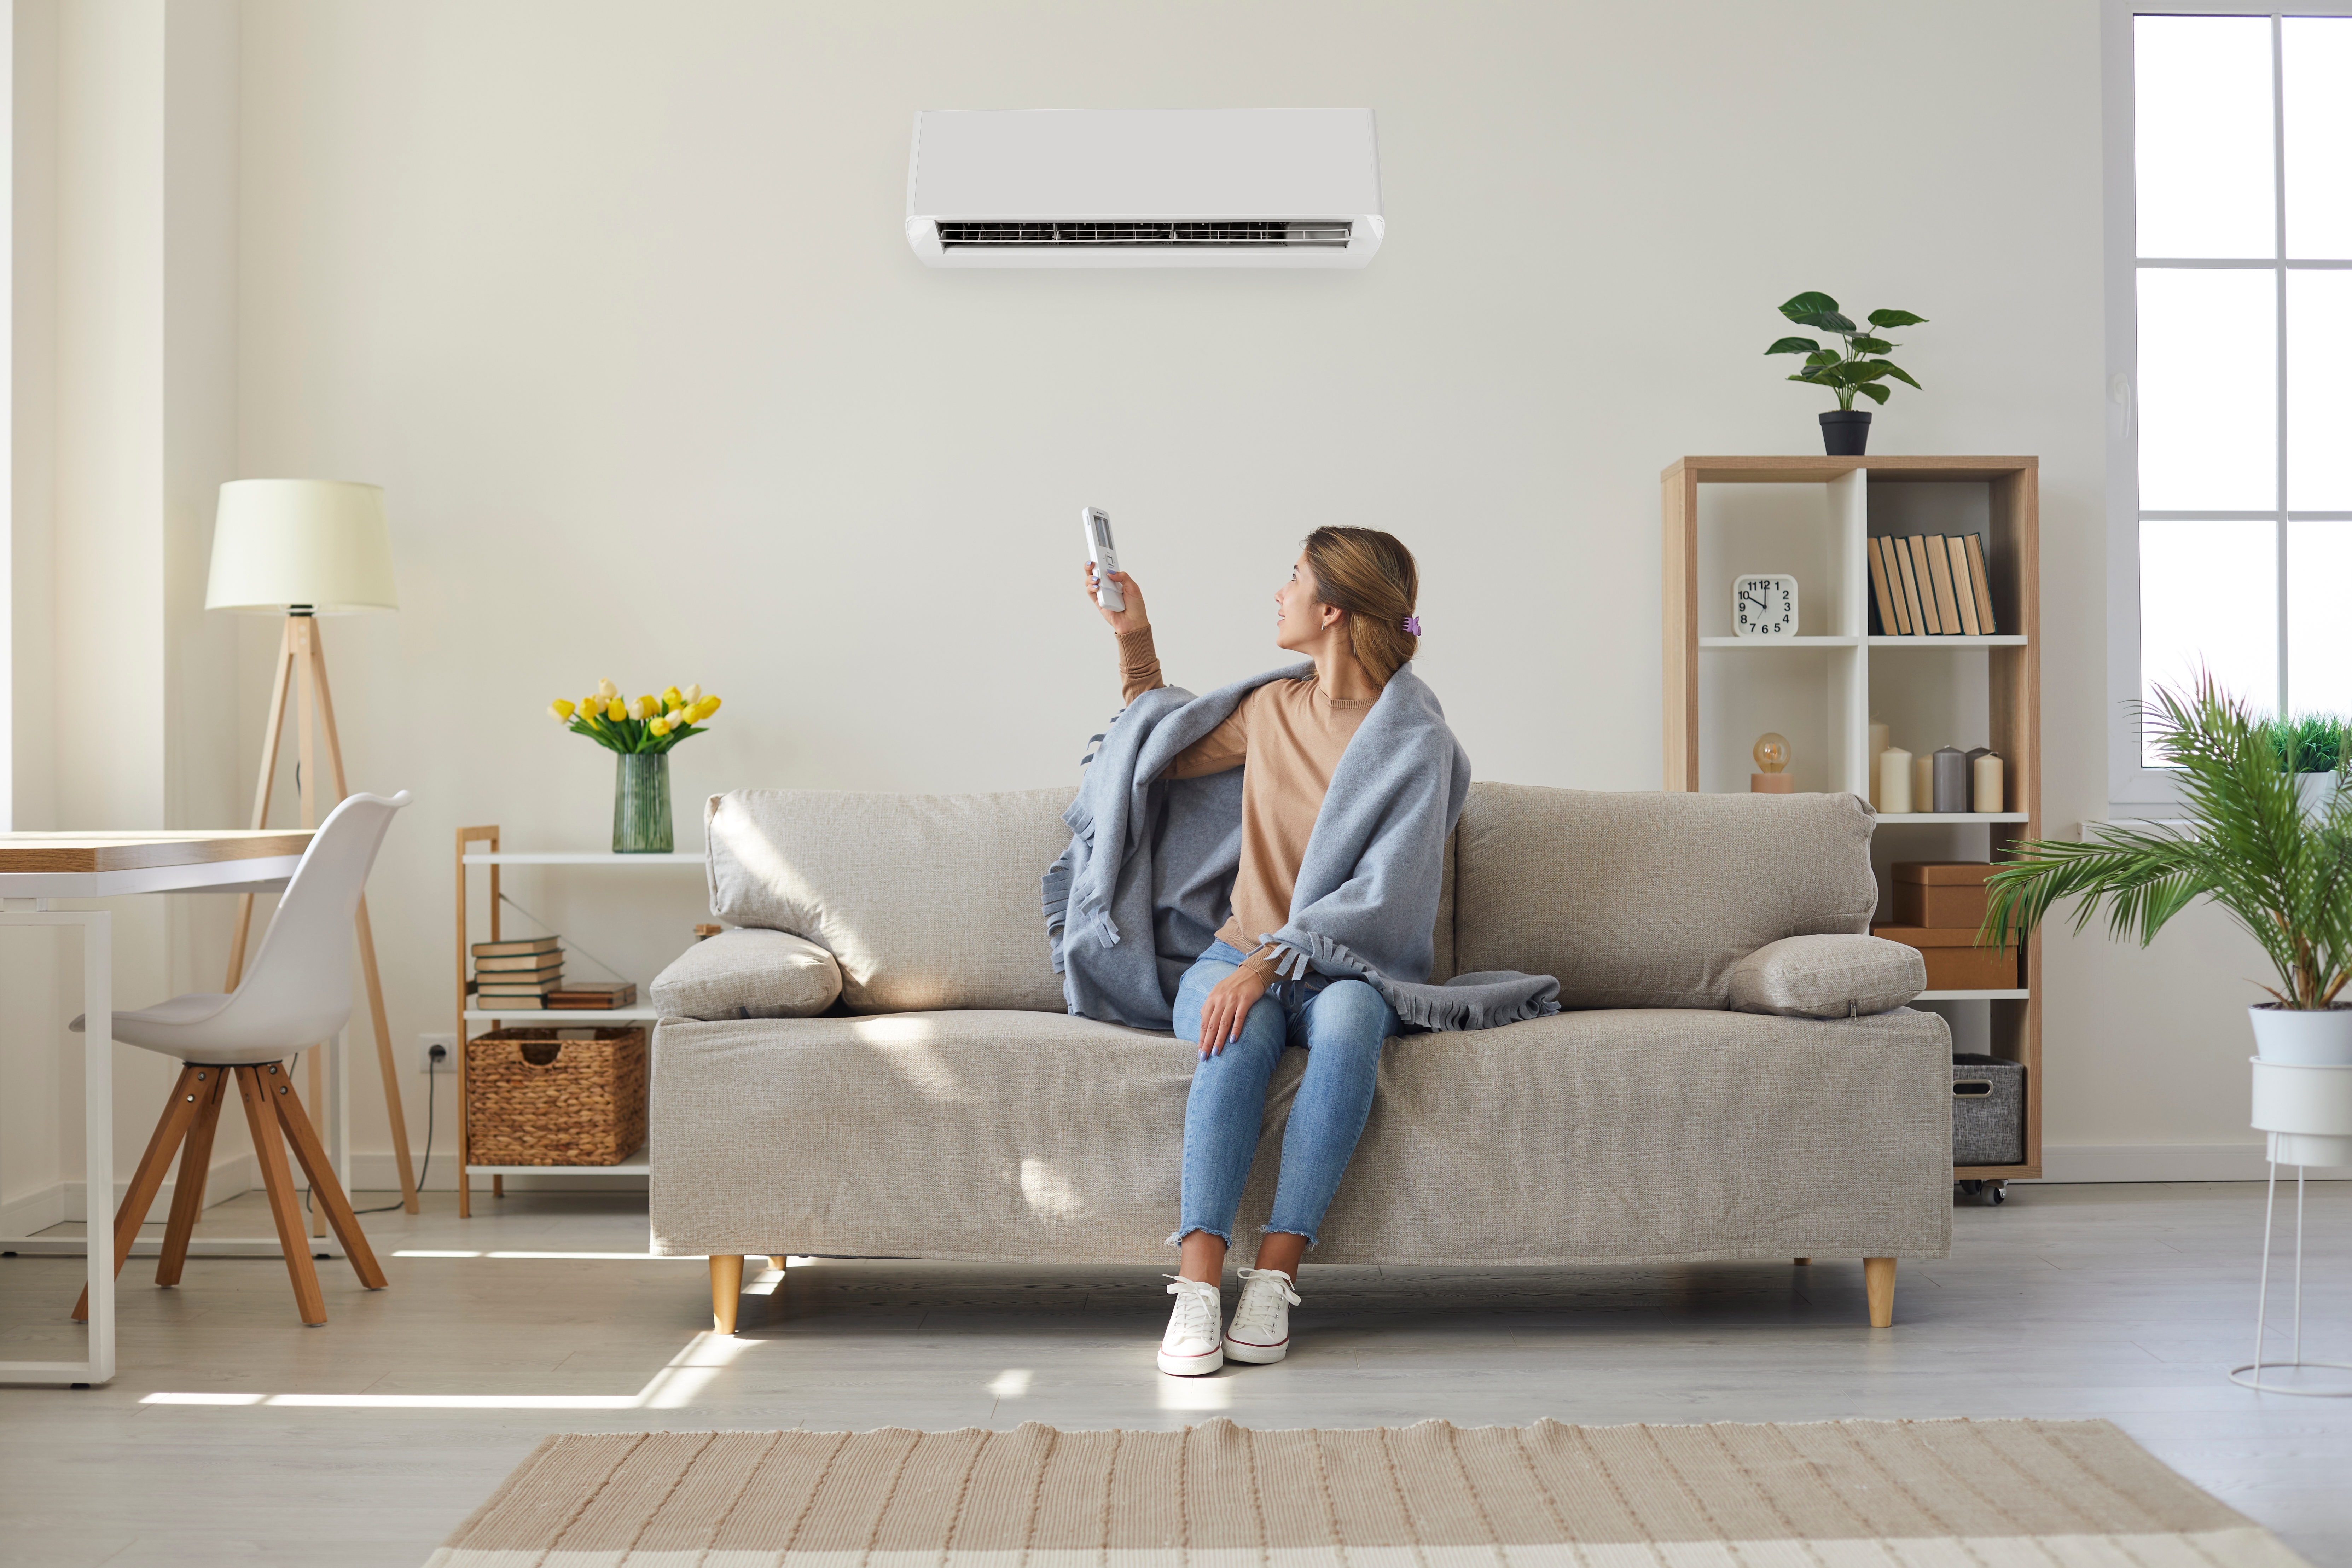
[[1802, 1261], [1878, 1282], [726, 1289]]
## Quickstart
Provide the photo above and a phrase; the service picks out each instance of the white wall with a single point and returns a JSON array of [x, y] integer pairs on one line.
[[614, 302]]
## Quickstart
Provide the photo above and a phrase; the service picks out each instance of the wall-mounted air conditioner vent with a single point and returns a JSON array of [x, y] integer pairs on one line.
[[1033, 234], [1145, 188]]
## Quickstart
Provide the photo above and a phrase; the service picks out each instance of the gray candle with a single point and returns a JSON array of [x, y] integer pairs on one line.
[[1951, 786]]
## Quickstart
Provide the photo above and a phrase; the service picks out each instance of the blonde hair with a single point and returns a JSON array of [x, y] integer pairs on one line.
[[1371, 576]]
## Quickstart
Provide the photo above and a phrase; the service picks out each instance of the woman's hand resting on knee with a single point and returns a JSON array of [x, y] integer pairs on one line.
[[1227, 1007]]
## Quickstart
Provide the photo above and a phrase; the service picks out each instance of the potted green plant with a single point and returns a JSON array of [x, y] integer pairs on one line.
[[2312, 746], [1860, 368], [2246, 843]]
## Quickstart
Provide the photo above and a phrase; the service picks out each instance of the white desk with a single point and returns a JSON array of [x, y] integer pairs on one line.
[[35, 870]]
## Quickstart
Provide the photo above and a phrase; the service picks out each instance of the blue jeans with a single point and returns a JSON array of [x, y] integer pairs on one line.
[[1340, 1024]]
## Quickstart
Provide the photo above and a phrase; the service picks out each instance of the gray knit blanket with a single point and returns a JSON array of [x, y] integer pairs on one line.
[[1148, 879]]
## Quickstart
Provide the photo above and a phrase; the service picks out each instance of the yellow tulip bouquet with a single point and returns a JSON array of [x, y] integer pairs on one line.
[[649, 724]]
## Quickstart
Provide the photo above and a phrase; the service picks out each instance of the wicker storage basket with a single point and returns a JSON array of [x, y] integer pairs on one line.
[[534, 1098]]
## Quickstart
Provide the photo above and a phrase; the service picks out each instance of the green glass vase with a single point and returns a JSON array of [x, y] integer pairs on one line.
[[641, 823]]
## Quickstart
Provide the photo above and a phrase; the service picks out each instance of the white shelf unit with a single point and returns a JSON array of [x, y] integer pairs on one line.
[[492, 859], [1809, 517]]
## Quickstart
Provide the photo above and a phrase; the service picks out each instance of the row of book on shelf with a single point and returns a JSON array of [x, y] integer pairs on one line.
[[1930, 584], [527, 976]]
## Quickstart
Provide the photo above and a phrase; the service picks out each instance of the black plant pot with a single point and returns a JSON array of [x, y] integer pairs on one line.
[[1845, 432]]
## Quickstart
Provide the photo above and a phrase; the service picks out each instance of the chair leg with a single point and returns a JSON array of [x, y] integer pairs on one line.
[[269, 1151], [1878, 1284], [148, 1180], [196, 1168], [325, 1190], [726, 1289]]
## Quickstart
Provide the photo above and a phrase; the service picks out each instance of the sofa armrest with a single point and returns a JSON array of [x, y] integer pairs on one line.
[[1827, 977]]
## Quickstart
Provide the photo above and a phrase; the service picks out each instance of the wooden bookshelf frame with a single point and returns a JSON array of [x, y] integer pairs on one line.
[[2014, 667]]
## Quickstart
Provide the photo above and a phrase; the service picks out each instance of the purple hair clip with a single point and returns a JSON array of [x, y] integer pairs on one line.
[[1413, 626]]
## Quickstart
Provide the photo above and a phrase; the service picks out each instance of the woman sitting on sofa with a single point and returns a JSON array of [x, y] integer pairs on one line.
[[1349, 605]]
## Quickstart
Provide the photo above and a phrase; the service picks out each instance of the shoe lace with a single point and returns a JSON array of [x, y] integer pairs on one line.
[[1260, 1287], [1196, 1306]]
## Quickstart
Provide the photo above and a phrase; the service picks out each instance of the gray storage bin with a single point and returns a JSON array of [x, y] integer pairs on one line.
[[1988, 1109]]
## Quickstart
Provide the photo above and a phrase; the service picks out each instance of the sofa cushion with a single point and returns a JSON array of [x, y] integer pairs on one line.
[[749, 973], [925, 900], [1649, 900], [1827, 977], [1590, 1137]]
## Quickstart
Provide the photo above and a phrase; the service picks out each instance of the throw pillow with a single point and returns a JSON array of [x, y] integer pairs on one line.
[[1827, 977], [749, 973]]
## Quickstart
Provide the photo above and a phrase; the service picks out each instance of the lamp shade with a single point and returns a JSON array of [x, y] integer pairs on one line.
[[314, 543]]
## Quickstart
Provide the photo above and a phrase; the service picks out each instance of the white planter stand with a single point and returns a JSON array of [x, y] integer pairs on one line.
[[2307, 1111]]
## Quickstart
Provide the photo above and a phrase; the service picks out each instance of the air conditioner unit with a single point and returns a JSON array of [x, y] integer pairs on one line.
[[1145, 188]]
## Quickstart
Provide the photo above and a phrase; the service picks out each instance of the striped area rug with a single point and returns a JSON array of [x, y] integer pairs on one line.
[[1840, 1494]]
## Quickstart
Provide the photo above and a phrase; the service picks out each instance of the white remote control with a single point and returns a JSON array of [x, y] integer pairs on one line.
[[1104, 555]]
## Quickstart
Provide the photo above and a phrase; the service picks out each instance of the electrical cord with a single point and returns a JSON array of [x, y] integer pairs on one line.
[[570, 946], [432, 1079]]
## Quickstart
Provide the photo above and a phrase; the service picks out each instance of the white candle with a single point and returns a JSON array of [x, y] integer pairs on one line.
[[1880, 739], [1989, 783], [1895, 781], [1923, 782]]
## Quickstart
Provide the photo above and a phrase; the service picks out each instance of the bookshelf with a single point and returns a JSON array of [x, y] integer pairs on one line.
[[1809, 517], [640, 1164]]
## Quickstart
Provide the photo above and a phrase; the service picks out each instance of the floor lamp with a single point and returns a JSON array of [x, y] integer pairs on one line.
[[302, 549]]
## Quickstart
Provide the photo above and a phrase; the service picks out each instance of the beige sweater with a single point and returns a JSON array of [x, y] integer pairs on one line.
[[1291, 737]]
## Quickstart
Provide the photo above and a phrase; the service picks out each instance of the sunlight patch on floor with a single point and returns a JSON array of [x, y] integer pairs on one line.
[[674, 1386]]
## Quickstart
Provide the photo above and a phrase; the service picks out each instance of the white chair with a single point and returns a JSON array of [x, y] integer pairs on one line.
[[297, 993]]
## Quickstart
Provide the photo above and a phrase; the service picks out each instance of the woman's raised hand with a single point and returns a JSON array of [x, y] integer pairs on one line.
[[1131, 619]]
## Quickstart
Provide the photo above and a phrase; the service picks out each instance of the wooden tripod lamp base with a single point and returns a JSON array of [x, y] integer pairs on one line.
[[302, 665]]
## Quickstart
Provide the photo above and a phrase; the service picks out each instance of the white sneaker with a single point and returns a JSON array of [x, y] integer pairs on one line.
[[1193, 1344], [1261, 1330]]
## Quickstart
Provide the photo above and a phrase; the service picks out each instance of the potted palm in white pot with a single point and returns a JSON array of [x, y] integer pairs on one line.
[[2247, 842]]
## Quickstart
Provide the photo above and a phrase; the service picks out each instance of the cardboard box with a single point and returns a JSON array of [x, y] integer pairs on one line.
[[1942, 893], [1955, 962]]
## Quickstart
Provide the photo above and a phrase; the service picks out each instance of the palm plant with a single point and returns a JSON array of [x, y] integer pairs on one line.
[[2247, 843]]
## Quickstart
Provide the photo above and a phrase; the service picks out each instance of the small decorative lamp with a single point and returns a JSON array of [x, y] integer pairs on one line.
[[300, 549], [1771, 755]]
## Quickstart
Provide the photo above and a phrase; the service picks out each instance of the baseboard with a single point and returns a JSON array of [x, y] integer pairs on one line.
[[63, 1201], [381, 1173], [2247, 1162]]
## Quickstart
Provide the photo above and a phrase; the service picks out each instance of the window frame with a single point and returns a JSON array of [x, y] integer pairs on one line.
[[2133, 788]]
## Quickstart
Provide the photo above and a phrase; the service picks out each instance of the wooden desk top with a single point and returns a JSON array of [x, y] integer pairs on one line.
[[87, 852]]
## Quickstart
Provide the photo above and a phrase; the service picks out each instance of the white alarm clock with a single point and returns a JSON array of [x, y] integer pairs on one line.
[[1764, 605]]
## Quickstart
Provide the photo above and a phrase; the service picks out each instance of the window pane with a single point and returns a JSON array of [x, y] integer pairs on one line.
[[2201, 91], [2208, 389], [2209, 599], [2316, 58], [2318, 633], [2318, 392]]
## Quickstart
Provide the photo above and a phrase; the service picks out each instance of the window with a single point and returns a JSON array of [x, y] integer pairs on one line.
[[2233, 204]]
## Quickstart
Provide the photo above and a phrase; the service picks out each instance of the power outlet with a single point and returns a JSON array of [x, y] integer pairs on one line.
[[437, 1053]]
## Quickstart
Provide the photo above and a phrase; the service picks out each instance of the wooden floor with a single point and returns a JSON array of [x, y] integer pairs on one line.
[[235, 1435]]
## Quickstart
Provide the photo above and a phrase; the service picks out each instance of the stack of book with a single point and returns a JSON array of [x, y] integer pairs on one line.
[[1929, 585], [592, 996], [517, 974]]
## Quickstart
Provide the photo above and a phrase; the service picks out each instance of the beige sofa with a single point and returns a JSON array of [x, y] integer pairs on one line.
[[944, 1105]]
